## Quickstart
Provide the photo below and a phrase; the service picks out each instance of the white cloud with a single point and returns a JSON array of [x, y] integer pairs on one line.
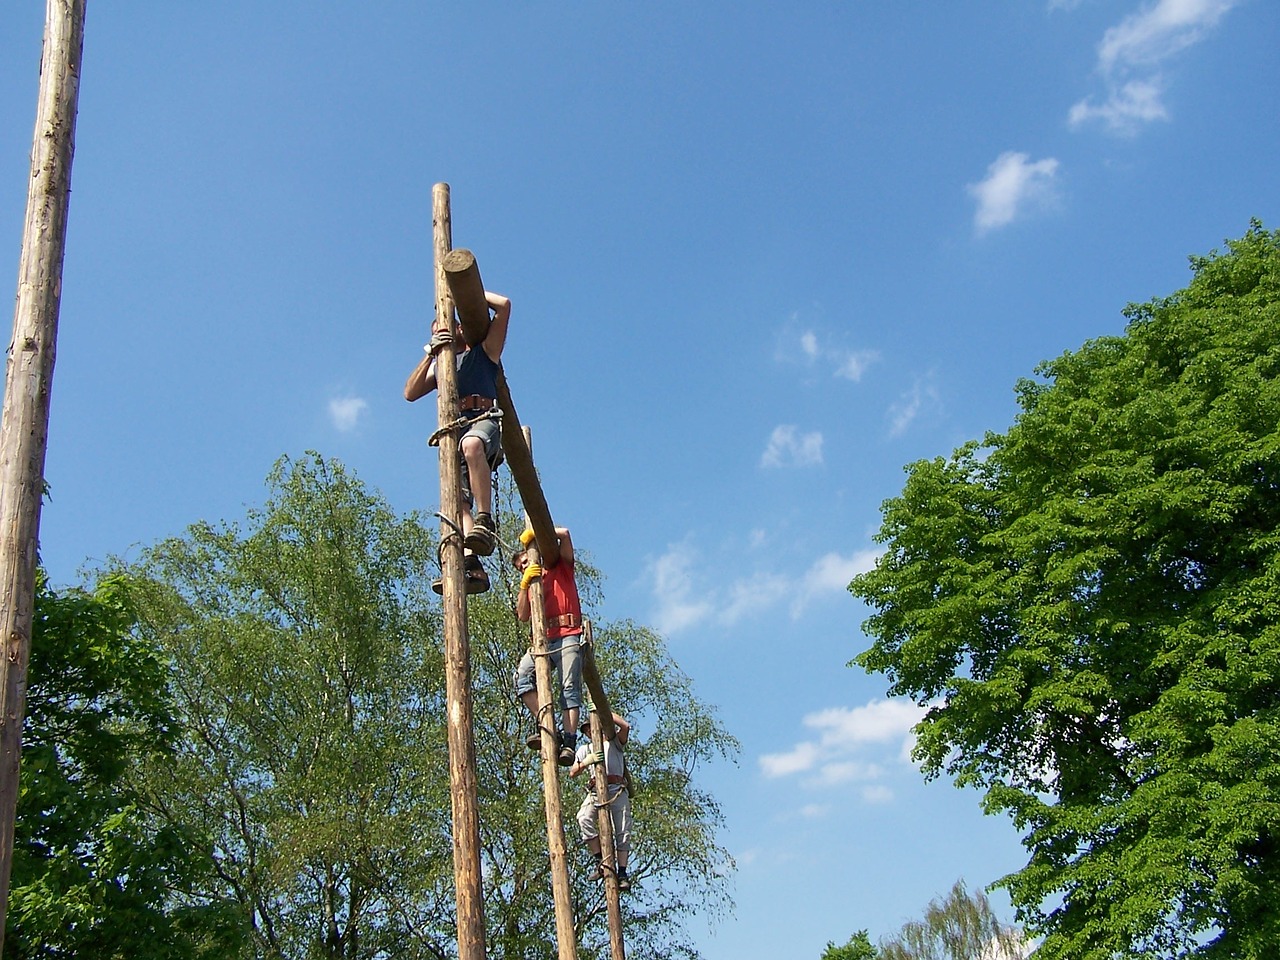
[[673, 587], [1014, 185], [1131, 53], [345, 412], [922, 395], [753, 595], [815, 811], [830, 573], [801, 758], [788, 447], [819, 352], [809, 344], [855, 364], [684, 597], [850, 745], [1128, 106]]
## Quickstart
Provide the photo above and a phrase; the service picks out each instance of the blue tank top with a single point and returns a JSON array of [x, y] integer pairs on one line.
[[477, 374]]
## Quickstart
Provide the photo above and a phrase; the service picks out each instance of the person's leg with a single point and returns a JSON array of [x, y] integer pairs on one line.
[[571, 684]]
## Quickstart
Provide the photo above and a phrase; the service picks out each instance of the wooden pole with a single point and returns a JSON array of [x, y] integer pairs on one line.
[[457, 649], [24, 430], [600, 715], [566, 937], [591, 677]]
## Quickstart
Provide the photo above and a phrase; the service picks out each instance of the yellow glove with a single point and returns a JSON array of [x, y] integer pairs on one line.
[[531, 572], [526, 538]]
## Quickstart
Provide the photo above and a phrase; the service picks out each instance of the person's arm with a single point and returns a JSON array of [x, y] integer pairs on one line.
[[566, 547], [622, 730], [524, 610], [496, 338], [423, 379]]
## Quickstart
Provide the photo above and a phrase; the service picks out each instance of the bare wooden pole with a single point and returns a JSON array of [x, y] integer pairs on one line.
[[566, 937], [457, 646], [591, 677], [29, 376], [600, 715]]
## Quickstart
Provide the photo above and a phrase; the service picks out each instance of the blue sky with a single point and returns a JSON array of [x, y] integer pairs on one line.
[[761, 256]]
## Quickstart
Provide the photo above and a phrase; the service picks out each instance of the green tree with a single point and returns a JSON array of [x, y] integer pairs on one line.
[[859, 947], [94, 873], [1088, 607], [307, 669], [959, 926], [306, 674]]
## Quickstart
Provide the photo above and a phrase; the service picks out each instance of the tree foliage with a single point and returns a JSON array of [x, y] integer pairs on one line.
[[958, 926], [859, 947], [94, 873], [307, 674], [1088, 604]]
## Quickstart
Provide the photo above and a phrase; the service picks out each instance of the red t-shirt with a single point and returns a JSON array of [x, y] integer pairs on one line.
[[560, 597]]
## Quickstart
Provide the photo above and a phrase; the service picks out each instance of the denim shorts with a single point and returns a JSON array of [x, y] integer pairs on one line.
[[563, 652], [489, 431]]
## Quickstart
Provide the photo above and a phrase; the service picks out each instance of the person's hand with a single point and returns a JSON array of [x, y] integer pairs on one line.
[[526, 537], [531, 571], [591, 759], [439, 340]]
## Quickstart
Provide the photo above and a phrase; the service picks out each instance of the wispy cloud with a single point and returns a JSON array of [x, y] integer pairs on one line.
[[673, 587], [851, 745], [345, 412], [922, 396], [1130, 57], [819, 352], [685, 598], [1014, 185], [788, 447]]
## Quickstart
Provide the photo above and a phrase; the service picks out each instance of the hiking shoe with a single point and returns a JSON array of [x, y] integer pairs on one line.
[[624, 881], [483, 538], [474, 575], [565, 759], [474, 578], [598, 873]]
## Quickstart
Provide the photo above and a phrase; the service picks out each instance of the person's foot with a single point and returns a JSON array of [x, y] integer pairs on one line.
[[624, 881], [598, 873], [534, 740], [483, 538], [565, 759], [475, 576]]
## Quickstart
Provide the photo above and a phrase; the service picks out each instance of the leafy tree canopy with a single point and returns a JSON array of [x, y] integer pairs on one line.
[[307, 674], [859, 947], [1088, 606], [94, 872]]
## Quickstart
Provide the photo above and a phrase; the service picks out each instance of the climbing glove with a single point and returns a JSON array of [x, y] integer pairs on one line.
[[439, 340], [526, 537], [531, 571]]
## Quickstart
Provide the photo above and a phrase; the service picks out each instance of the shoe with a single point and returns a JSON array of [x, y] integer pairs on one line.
[[483, 538], [566, 757], [624, 882], [598, 873], [474, 576]]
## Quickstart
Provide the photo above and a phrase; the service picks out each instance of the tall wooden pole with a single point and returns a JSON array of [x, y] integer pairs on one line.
[[566, 937], [457, 644], [602, 729], [24, 429]]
